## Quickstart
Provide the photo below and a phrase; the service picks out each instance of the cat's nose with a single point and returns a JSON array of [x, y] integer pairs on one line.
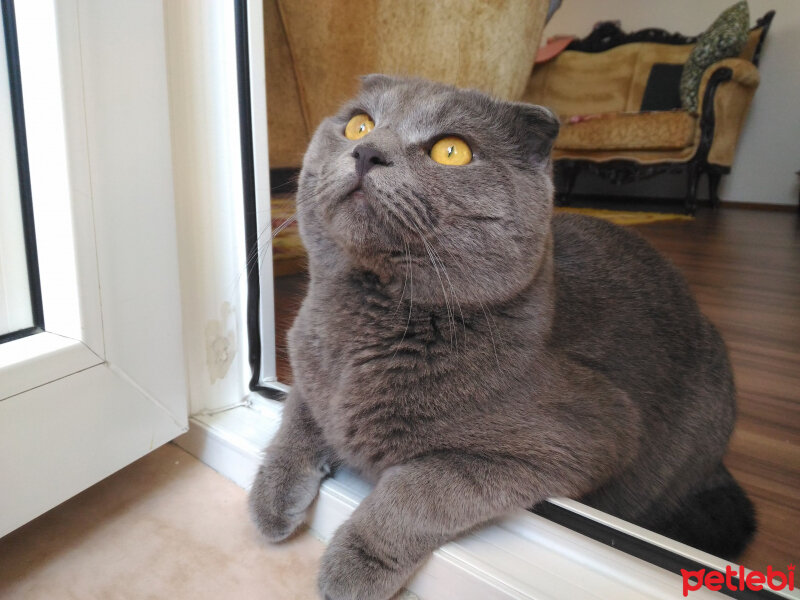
[[367, 156]]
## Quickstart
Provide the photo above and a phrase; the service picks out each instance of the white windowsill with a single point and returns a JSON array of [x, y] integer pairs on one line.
[[523, 556], [39, 359]]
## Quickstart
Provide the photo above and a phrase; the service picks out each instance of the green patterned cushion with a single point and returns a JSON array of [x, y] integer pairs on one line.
[[725, 38]]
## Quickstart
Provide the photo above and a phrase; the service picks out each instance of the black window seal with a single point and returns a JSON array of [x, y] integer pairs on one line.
[[23, 174]]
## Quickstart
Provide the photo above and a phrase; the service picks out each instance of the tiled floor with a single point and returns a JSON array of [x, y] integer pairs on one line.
[[167, 526]]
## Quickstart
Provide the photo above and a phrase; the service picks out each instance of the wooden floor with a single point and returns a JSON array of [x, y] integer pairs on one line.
[[744, 268]]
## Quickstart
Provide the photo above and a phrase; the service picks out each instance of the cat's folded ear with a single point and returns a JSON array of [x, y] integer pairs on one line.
[[537, 128], [377, 81]]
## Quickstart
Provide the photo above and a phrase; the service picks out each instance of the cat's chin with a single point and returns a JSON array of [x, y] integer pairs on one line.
[[363, 231], [358, 197], [379, 263]]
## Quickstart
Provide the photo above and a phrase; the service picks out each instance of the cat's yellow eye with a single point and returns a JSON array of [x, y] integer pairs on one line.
[[358, 127], [451, 151]]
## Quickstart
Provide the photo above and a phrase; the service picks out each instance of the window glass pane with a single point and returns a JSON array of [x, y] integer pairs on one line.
[[15, 297]]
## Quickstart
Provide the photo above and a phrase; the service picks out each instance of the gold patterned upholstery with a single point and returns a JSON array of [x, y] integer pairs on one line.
[[731, 105], [664, 130], [316, 49]]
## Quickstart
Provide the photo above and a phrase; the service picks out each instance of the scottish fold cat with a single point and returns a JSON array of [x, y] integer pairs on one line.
[[473, 354]]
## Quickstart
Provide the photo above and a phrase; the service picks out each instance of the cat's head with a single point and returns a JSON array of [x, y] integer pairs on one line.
[[382, 190]]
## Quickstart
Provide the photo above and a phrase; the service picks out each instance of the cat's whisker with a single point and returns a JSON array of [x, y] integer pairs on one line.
[[453, 294], [450, 312], [409, 273], [259, 250], [409, 221], [441, 283], [410, 304], [437, 262], [282, 226], [255, 255], [405, 279], [452, 291], [489, 323]]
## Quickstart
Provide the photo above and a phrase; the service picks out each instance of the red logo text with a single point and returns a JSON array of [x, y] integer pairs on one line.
[[773, 579]]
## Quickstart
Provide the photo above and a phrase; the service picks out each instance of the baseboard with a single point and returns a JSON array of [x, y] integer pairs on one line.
[[787, 208]]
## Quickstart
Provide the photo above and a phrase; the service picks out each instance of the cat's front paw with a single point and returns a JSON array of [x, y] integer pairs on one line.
[[350, 568], [276, 518]]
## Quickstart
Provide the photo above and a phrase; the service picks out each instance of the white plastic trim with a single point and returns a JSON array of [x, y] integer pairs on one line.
[[106, 385], [204, 110], [523, 556], [56, 130], [63, 214], [58, 439], [38, 359]]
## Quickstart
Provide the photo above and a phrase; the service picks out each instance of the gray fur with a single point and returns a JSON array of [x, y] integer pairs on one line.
[[470, 353]]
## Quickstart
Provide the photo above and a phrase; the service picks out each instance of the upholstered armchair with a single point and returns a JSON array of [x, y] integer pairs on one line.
[[599, 86]]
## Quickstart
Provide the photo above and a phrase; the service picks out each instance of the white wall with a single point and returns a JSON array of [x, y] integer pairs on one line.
[[769, 148]]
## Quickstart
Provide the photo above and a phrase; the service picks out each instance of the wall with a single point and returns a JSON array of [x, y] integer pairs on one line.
[[769, 148]]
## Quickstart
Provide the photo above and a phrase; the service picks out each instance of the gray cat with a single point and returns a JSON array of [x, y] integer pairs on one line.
[[473, 354]]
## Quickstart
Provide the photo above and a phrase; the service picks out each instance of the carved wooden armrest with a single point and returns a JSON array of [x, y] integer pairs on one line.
[[737, 70], [726, 90]]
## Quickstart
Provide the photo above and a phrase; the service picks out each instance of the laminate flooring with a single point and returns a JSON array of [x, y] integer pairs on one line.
[[744, 269]]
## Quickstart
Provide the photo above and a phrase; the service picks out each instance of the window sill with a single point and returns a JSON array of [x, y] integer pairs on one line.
[[38, 359], [523, 556]]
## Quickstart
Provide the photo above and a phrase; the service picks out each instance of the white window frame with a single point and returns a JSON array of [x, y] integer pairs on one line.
[[105, 383]]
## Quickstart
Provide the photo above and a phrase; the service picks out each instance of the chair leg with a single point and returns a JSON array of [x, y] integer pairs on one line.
[[692, 178], [713, 186]]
